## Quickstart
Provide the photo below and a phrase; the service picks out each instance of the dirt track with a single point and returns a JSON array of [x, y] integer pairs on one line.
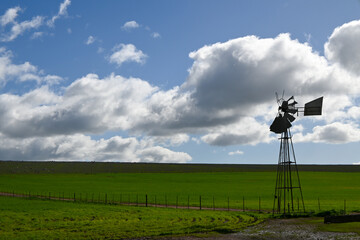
[[279, 229]]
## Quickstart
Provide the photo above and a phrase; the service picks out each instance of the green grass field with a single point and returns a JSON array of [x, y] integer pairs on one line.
[[40, 219], [122, 183], [331, 188]]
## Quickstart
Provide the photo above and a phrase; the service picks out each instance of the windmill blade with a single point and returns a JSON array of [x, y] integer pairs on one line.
[[289, 117], [280, 125], [314, 107], [292, 97]]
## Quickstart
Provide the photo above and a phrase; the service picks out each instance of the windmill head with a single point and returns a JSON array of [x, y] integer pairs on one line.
[[285, 115], [287, 109]]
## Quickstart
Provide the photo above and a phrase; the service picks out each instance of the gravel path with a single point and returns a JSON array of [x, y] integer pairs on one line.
[[293, 229]]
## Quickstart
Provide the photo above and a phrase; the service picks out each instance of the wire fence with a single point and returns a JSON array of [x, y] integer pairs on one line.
[[199, 202]]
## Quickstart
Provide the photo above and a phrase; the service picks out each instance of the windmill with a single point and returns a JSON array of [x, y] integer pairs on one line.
[[288, 196]]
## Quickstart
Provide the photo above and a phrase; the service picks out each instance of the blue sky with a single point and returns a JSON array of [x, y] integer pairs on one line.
[[176, 81]]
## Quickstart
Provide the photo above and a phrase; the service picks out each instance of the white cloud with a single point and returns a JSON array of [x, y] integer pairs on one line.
[[238, 152], [163, 155], [335, 133], [9, 16], [82, 148], [19, 28], [155, 35], [130, 25], [22, 72], [69, 31], [37, 35], [127, 53], [342, 46], [62, 12], [90, 40], [246, 131]]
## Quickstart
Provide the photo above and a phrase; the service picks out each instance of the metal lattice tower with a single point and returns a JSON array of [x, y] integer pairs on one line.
[[288, 194]]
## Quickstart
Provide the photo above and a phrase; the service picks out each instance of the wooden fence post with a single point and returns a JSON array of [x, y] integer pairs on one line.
[[243, 204], [259, 204], [200, 202], [228, 203]]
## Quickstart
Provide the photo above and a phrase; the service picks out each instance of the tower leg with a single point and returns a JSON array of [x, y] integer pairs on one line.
[[287, 187]]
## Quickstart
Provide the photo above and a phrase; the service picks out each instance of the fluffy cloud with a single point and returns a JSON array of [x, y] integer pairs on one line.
[[82, 148], [163, 155], [155, 35], [9, 16], [126, 53], [17, 28], [130, 25], [237, 152], [246, 131], [21, 72], [342, 46], [88, 105], [90, 40], [335, 133], [62, 12]]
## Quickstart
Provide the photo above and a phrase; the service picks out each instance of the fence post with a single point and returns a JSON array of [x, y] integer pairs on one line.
[[319, 203], [259, 204], [243, 204], [200, 202], [74, 198], [228, 203], [146, 200]]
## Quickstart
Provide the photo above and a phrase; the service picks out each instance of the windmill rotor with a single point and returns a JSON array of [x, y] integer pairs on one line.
[[285, 114]]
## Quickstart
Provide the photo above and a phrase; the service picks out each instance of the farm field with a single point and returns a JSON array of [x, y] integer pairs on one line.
[[235, 190], [250, 188], [41, 219]]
